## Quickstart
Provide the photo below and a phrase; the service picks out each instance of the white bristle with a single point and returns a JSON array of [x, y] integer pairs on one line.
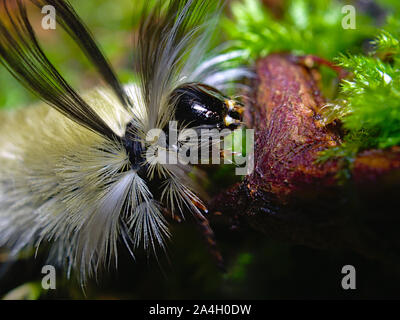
[[65, 175]]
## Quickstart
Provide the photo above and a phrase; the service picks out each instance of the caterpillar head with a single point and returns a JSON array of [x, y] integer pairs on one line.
[[200, 105]]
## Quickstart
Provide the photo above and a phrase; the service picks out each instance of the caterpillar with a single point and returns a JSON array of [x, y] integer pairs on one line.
[[74, 170]]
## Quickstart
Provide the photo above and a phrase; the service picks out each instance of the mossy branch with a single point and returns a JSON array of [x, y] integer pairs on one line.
[[289, 195]]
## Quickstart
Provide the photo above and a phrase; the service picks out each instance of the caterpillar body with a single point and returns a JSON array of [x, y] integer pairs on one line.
[[73, 170]]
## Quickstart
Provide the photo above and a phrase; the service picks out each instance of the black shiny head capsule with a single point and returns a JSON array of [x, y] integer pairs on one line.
[[196, 105], [199, 105]]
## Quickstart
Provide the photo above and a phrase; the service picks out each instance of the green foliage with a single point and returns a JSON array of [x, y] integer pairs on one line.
[[369, 102], [346, 153], [390, 5], [370, 110], [239, 270], [12, 94], [27, 291], [307, 27]]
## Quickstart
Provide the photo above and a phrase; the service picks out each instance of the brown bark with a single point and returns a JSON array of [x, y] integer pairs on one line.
[[289, 196]]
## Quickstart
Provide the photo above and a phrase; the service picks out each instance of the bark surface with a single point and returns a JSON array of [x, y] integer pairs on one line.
[[291, 197]]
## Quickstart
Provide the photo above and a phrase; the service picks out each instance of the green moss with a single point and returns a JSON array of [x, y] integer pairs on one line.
[[370, 107], [368, 103]]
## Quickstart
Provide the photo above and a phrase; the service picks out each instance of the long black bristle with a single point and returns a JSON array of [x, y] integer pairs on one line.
[[22, 55], [74, 26]]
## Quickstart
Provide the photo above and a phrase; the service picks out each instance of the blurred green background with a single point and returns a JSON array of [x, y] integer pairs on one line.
[[110, 22]]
